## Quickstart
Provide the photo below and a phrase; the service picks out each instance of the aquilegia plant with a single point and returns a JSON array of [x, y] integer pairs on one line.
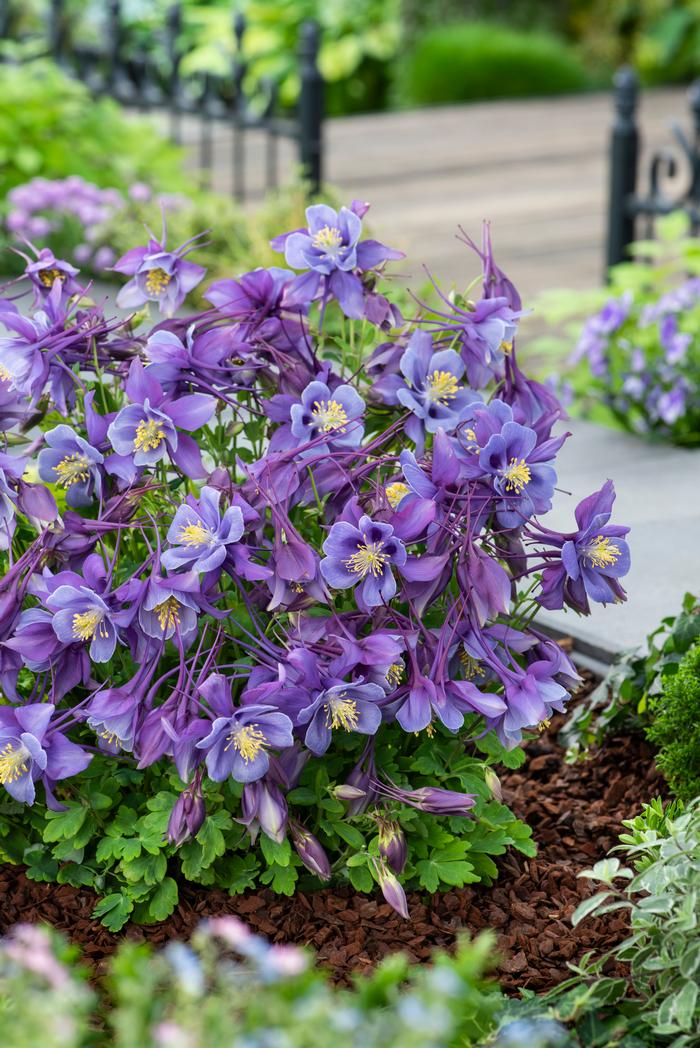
[[280, 544]]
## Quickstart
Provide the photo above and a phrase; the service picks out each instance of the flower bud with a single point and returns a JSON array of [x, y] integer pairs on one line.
[[493, 783], [392, 891], [392, 845], [346, 792], [187, 816], [310, 851]]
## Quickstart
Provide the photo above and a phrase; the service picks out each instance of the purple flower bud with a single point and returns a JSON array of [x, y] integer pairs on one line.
[[346, 792], [392, 845], [493, 783], [188, 814], [310, 851], [392, 890]]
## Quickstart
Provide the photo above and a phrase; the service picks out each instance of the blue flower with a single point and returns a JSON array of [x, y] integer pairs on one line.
[[73, 464], [80, 616], [329, 414], [200, 535], [363, 554], [432, 390], [352, 707]]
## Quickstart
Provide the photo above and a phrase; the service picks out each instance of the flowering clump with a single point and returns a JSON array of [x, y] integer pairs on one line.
[[278, 546], [642, 349]]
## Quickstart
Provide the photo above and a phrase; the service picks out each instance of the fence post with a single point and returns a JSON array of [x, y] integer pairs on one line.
[[624, 157], [173, 28], [56, 30], [310, 108], [113, 40]]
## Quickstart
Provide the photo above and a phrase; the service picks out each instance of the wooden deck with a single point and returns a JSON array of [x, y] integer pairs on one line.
[[537, 169]]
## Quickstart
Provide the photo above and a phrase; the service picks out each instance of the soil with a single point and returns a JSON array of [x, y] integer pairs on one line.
[[575, 812]]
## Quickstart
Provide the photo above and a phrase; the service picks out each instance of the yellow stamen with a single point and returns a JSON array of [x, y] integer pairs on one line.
[[543, 725], [442, 386], [429, 731], [5, 375], [329, 415], [248, 740], [110, 738], [195, 535], [342, 713], [47, 276], [157, 281], [394, 674], [469, 665], [517, 475], [168, 613], [73, 469], [507, 348], [368, 560], [601, 552], [13, 763], [87, 623], [148, 435], [327, 239], [395, 492]]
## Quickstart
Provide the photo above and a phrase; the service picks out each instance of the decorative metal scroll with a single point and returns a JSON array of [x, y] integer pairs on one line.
[[673, 174]]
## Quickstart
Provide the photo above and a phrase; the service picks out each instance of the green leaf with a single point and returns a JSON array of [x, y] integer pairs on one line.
[[350, 834], [274, 851], [239, 873], [114, 910], [212, 841], [684, 1004], [63, 825], [40, 865], [282, 879], [588, 906], [361, 878], [448, 866], [147, 868], [163, 901]]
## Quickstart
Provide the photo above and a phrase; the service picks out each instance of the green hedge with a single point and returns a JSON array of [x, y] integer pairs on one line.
[[479, 60]]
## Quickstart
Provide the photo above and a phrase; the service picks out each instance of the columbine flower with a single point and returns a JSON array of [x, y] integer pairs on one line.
[[167, 608], [593, 559], [200, 535], [310, 851], [239, 745], [47, 269], [432, 390], [29, 752], [520, 470], [363, 554], [81, 616], [350, 707], [531, 697], [73, 464], [331, 250], [147, 429], [332, 415], [158, 275]]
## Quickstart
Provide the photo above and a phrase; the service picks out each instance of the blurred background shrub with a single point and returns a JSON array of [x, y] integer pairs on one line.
[[476, 60]]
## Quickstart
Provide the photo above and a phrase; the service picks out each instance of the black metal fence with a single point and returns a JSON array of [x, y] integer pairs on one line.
[[670, 181], [203, 109]]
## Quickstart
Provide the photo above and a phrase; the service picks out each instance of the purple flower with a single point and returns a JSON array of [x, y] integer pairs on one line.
[[147, 429], [158, 275], [310, 851], [392, 890], [431, 799], [392, 844], [199, 535], [29, 752], [363, 554], [264, 807], [47, 269], [531, 698], [80, 616], [332, 416], [432, 390], [593, 559], [674, 342], [352, 707], [168, 608], [73, 464], [519, 469], [330, 250], [188, 814], [238, 745], [485, 330]]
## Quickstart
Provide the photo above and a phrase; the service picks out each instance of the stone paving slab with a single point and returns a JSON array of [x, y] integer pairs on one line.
[[658, 496]]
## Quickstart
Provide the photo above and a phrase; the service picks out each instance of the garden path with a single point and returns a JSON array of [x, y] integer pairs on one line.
[[658, 498], [537, 168]]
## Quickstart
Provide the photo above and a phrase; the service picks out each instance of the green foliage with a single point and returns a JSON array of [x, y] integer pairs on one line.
[[113, 838], [51, 126], [657, 1001], [622, 701], [472, 60], [230, 988], [631, 338], [675, 727]]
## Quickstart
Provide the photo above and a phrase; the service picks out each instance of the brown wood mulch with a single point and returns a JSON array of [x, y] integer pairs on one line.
[[575, 812]]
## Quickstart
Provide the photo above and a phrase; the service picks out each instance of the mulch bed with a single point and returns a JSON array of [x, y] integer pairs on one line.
[[575, 812]]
